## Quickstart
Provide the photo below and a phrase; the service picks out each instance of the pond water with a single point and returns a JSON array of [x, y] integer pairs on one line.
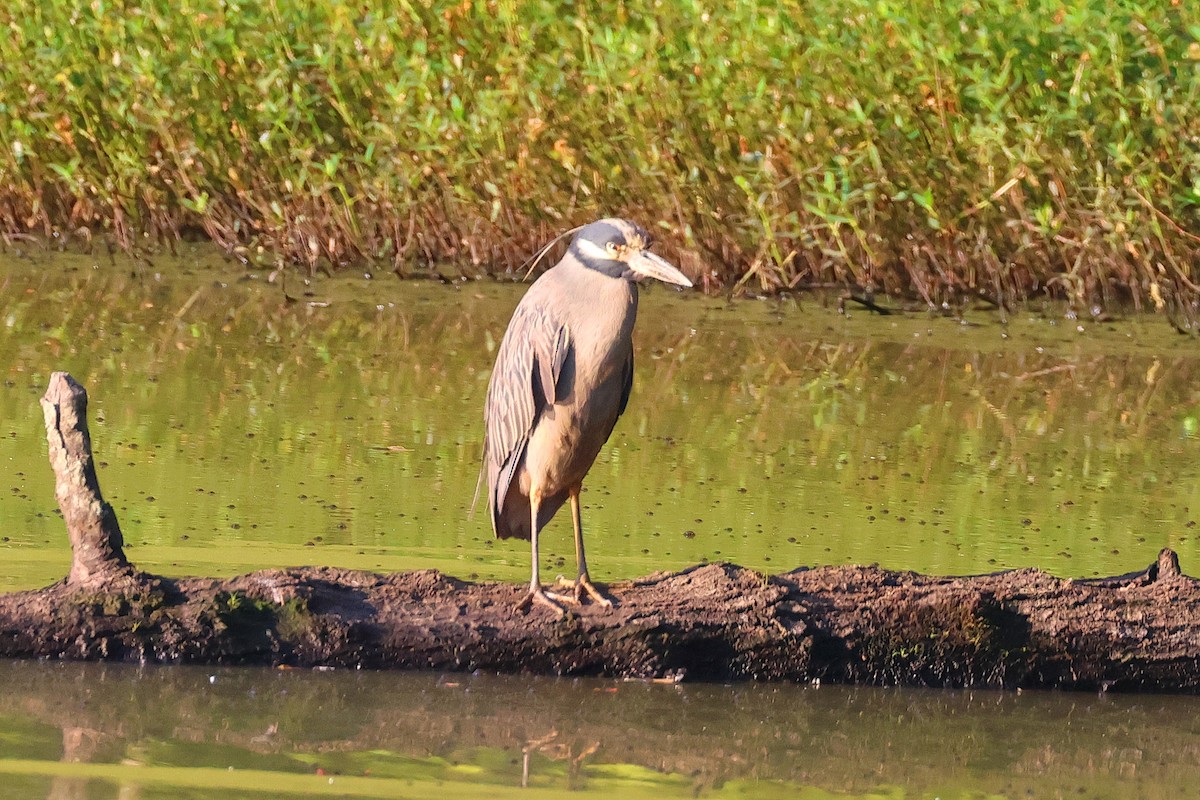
[[241, 424], [76, 731]]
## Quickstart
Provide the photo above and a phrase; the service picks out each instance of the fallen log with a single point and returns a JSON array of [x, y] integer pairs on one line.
[[1020, 628]]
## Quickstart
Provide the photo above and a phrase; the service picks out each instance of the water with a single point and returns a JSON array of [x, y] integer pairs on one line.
[[74, 731], [238, 429], [238, 426]]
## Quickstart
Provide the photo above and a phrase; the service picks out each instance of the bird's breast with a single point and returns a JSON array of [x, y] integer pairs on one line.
[[603, 336], [570, 434]]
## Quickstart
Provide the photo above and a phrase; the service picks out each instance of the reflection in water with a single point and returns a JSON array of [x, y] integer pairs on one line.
[[238, 429], [264, 730]]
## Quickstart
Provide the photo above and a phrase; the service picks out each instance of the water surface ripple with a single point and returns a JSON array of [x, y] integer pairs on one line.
[[76, 731]]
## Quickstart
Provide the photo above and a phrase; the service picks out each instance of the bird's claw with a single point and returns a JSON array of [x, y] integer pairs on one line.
[[582, 589], [539, 596]]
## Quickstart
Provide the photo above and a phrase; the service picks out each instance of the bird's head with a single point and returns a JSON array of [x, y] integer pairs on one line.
[[621, 249]]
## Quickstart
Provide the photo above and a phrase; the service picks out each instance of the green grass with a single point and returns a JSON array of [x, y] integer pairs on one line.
[[935, 149]]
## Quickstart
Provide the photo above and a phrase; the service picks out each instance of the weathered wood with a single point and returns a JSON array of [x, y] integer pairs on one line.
[[97, 552], [1021, 628]]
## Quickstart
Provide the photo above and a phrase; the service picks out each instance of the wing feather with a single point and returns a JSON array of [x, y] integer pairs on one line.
[[525, 381], [627, 383]]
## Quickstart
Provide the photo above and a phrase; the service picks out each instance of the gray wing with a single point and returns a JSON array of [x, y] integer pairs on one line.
[[526, 380], [627, 383]]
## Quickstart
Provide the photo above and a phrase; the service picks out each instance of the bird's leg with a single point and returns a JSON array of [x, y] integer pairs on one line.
[[536, 593], [583, 584]]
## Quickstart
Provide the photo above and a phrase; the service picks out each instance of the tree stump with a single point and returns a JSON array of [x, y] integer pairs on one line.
[[97, 547]]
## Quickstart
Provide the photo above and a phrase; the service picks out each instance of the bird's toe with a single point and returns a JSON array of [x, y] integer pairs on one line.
[[539, 596], [582, 590], [585, 587]]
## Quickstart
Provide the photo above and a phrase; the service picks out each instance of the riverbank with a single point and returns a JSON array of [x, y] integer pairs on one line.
[[1011, 152]]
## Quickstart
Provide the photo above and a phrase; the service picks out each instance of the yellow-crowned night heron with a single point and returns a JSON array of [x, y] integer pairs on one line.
[[562, 377]]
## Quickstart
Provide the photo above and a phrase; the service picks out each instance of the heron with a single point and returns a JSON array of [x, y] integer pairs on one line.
[[562, 377]]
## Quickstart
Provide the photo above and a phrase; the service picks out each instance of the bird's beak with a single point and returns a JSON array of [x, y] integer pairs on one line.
[[647, 265]]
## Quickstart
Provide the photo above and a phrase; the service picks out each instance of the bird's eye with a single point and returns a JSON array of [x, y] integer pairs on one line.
[[611, 247]]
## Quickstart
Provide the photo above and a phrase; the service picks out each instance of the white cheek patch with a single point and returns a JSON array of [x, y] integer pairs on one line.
[[594, 251]]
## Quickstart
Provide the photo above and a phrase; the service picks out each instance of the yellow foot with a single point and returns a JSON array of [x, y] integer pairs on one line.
[[539, 596], [582, 589]]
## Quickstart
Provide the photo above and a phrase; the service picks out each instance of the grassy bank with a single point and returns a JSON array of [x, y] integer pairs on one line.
[[922, 147]]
